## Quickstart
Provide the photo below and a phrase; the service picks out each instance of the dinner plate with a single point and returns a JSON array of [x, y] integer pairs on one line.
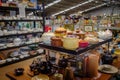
[[40, 77], [107, 69]]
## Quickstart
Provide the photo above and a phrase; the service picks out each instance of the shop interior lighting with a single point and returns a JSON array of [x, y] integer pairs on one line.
[[48, 5], [93, 7], [72, 7], [89, 9], [54, 2]]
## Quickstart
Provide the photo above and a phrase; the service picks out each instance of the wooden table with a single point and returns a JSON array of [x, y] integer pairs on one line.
[[12, 76], [25, 76]]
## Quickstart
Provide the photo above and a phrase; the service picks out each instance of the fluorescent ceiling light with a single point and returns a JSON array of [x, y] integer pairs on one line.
[[89, 9], [72, 7], [54, 2], [93, 8]]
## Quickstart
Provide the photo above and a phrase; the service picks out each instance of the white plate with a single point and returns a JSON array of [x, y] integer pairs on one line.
[[40, 77], [109, 69]]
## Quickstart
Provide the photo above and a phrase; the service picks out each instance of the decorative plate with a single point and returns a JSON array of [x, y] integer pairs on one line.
[[107, 69], [40, 77]]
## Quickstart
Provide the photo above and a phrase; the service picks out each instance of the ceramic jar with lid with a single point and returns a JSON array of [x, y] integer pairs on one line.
[[46, 37], [83, 43], [70, 43], [60, 32], [56, 41]]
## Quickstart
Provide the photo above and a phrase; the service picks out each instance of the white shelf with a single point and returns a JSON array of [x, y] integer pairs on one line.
[[113, 28]]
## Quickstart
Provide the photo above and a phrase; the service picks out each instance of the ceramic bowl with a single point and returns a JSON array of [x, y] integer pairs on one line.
[[9, 59], [14, 54], [24, 52], [15, 58], [10, 45], [2, 61], [40, 77], [1, 45], [17, 41], [21, 56], [19, 71]]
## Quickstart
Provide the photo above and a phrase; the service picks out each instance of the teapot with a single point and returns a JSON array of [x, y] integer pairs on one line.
[[107, 58], [45, 67], [63, 63]]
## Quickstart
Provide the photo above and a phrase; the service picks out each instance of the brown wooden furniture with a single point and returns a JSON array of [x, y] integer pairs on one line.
[[25, 76], [12, 76]]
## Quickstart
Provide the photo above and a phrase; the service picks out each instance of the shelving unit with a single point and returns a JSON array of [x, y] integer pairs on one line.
[[77, 51], [20, 34], [15, 61], [17, 9], [34, 20], [21, 20], [18, 46]]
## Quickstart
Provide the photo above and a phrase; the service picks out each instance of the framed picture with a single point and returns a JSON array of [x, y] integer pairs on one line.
[[88, 28]]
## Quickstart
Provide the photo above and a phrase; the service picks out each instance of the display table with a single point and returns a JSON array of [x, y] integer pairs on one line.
[[25, 76], [12, 76], [78, 51]]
